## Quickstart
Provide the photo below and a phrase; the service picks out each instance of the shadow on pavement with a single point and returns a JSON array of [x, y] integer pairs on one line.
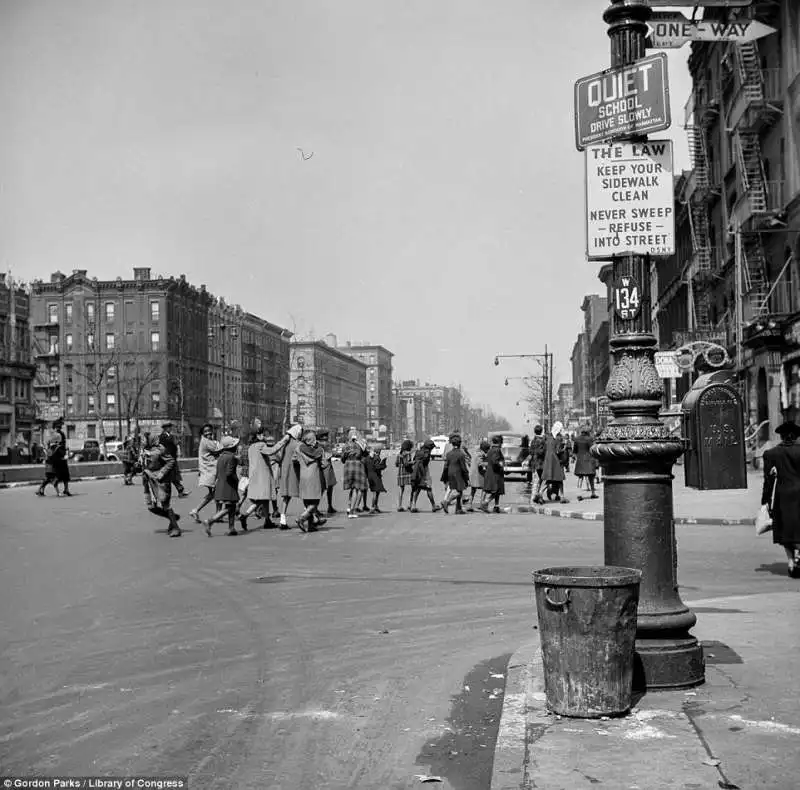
[[464, 754], [775, 568]]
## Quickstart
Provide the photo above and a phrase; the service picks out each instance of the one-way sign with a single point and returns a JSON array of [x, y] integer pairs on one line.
[[673, 30]]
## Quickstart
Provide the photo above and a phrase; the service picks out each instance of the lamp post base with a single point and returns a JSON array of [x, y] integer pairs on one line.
[[668, 663]]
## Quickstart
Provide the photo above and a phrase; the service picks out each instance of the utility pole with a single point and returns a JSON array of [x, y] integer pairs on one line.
[[637, 451]]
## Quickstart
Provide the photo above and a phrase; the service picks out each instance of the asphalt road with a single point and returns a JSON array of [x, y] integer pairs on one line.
[[360, 656]]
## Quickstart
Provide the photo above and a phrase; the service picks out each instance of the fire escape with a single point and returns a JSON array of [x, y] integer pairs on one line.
[[703, 186], [755, 109], [47, 380]]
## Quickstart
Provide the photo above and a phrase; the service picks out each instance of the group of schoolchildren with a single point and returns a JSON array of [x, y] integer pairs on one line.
[[462, 475]]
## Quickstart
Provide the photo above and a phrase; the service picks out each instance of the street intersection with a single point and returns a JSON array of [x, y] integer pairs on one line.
[[361, 656]]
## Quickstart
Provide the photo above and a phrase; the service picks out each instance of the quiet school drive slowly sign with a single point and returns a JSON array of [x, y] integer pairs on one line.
[[629, 199]]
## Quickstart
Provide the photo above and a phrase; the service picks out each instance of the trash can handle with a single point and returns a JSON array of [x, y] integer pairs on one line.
[[559, 604]]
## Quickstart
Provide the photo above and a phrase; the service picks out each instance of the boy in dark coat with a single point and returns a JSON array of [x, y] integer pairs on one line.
[[457, 472], [158, 476], [226, 491], [375, 466], [494, 484]]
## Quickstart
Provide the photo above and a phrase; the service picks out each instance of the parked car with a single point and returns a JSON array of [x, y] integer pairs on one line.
[[92, 450], [440, 442], [512, 444]]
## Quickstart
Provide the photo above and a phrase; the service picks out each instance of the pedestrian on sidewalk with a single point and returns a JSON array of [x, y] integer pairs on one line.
[[375, 467], [354, 476], [262, 490], [421, 477], [585, 463], [538, 448], [524, 458], [158, 477], [55, 468], [477, 468], [289, 483], [552, 471], [207, 454], [308, 460], [493, 478], [456, 467], [782, 470], [226, 490], [405, 468]]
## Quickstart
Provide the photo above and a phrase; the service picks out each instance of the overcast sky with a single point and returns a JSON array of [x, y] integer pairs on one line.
[[440, 215]]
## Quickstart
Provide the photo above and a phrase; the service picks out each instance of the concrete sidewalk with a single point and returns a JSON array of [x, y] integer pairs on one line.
[[738, 730], [737, 506]]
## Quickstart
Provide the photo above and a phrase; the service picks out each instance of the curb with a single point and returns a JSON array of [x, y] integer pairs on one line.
[[598, 516], [29, 483]]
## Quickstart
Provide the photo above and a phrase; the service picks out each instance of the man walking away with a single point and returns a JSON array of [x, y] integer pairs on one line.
[[538, 450], [55, 454]]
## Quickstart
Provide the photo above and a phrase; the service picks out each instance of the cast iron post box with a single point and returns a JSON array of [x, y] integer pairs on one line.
[[714, 424]]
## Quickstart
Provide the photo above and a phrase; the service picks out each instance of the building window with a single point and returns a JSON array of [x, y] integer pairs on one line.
[[70, 404], [53, 342], [52, 313], [90, 341], [3, 388], [155, 401], [68, 312], [90, 312], [155, 311], [91, 431], [110, 341], [90, 373], [112, 371], [90, 402], [68, 371], [68, 341], [54, 374], [111, 402], [155, 339], [109, 311]]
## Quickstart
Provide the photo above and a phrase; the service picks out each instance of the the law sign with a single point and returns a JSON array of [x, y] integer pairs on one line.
[[673, 30], [629, 199], [622, 101]]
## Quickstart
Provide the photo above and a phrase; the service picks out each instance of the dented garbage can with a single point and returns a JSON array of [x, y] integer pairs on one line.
[[587, 627]]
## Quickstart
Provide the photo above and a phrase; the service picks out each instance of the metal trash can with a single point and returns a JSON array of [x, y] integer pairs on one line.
[[587, 627]]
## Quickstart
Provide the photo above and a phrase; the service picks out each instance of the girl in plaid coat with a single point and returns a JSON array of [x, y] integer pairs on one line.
[[354, 476], [405, 470]]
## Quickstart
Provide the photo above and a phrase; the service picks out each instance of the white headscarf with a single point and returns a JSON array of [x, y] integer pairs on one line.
[[556, 429]]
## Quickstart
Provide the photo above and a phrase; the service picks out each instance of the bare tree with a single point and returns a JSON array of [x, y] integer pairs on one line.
[[99, 372], [133, 381]]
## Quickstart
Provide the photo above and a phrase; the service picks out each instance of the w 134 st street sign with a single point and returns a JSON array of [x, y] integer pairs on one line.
[[629, 199], [673, 30], [622, 101]]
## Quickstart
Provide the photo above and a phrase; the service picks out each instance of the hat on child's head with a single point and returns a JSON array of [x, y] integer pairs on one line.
[[229, 442], [788, 429]]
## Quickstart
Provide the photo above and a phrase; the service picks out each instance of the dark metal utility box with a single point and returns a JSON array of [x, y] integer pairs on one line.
[[713, 417]]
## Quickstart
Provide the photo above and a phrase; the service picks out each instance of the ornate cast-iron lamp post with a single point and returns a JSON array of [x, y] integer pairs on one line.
[[637, 452]]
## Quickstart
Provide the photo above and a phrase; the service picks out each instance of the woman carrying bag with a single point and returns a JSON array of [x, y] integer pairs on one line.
[[782, 490]]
